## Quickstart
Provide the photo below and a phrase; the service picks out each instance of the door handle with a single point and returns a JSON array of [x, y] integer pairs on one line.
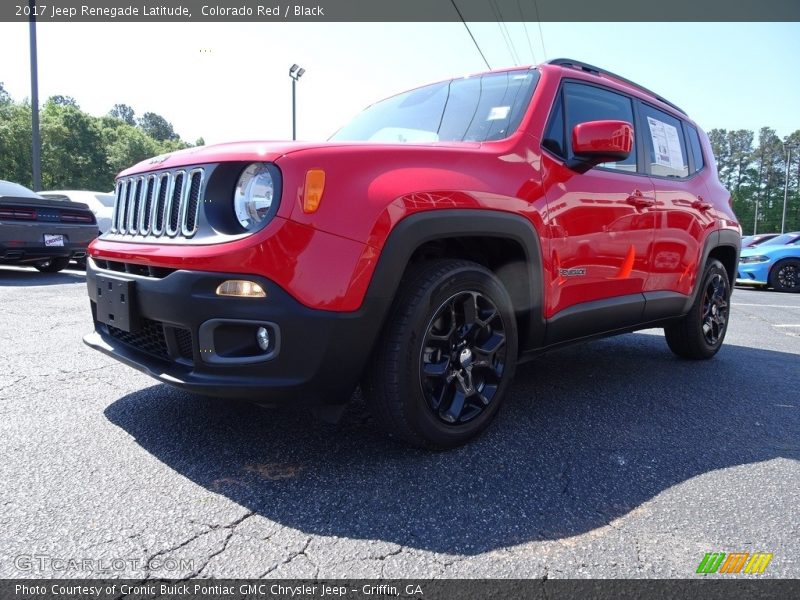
[[639, 200], [701, 205]]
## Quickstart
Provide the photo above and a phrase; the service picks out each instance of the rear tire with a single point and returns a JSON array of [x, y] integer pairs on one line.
[[446, 356], [699, 334], [52, 265], [785, 276]]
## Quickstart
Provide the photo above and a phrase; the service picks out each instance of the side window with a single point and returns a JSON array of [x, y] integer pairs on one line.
[[697, 149], [664, 145], [591, 103]]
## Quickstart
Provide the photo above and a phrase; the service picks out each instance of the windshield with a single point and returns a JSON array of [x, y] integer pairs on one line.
[[786, 238], [8, 188], [472, 109]]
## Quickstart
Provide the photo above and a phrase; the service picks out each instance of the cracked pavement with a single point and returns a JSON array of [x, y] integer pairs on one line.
[[610, 459]]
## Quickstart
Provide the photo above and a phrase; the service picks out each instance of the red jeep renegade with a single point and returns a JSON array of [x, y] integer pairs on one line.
[[443, 236]]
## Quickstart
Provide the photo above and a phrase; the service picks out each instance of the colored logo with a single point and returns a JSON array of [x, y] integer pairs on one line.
[[734, 562]]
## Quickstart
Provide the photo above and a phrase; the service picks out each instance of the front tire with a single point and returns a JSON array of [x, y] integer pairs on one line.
[[785, 276], [52, 265], [699, 334], [446, 357]]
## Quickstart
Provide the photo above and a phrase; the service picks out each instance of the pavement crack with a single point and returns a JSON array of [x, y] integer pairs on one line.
[[291, 557], [210, 528], [211, 556], [387, 555], [12, 384]]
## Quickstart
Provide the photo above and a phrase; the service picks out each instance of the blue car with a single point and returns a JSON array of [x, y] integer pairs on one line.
[[775, 263]]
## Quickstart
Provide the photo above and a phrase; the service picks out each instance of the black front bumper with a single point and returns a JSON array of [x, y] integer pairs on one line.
[[185, 335]]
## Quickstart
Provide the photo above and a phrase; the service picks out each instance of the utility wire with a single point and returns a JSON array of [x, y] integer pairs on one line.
[[538, 20], [504, 31], [525, 27], [474, 41]]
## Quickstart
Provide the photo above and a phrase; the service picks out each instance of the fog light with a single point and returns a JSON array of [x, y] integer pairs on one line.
[[241, 288], [262, 337]]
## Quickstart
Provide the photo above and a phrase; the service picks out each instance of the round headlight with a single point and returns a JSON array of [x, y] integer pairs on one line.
[[253, 197]]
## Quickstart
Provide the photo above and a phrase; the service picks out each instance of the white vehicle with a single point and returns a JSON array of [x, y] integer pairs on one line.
[[100, 203]]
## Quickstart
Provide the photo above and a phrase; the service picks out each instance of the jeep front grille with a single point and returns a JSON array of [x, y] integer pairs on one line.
[[158, 204]]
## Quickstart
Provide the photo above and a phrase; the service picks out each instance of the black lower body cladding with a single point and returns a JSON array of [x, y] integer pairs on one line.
[[179, 331]]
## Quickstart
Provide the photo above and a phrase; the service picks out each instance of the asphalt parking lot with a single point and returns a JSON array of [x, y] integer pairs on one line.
[[611, 459]]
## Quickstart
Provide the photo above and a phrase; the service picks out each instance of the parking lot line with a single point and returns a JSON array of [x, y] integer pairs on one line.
[[764, 305]]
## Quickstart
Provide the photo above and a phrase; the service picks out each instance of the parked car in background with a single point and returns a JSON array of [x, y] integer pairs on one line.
[[100, 203], [775, 264], [42, 232], [750, 241]]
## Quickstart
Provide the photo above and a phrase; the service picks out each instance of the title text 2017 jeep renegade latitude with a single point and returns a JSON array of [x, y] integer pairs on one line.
[[443, 236]]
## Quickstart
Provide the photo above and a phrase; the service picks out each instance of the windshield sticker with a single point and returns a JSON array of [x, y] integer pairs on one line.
[[666, 144], [498, 112]]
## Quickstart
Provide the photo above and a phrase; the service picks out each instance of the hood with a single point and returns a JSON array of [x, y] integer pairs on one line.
[[267, 151], [762, 250], [261, 151]]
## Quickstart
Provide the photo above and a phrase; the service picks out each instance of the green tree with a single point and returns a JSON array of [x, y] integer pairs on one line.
[[123, 112], [124, 146], [72, 150], [4, 96], [157, 127], [767, 162], [15, 143], [63, 101], [793, 189]]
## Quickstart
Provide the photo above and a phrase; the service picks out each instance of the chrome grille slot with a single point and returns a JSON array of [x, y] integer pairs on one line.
[[161, 205], [189, 208], [146, 209], [177, 198], [124, 206], [134, 202], [158, 204], [114, 217]]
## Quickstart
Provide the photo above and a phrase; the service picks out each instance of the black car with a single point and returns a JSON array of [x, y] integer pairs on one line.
[[42, 233]]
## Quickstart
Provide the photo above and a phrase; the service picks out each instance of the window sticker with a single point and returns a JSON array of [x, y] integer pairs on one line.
[[498, 113], [666, 144]]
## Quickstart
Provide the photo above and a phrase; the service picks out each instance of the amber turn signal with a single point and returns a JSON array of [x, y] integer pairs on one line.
[[312, 193]]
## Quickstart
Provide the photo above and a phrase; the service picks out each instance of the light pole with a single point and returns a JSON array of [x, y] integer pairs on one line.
[[788, 150], [36, 143], [295, 72]]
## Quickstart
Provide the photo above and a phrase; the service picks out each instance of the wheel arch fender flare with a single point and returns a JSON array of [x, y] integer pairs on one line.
[[417, 229], [720, 238]]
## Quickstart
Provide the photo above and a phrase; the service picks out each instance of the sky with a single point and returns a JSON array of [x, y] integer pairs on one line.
[[229, 81]]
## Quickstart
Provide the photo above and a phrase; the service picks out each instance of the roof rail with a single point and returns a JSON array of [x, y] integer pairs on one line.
[[568, 62]]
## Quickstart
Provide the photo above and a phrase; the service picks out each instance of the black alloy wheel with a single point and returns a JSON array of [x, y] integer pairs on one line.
[[463, 357], [785, 276], [715, 308], [446, 356], [699, 333]]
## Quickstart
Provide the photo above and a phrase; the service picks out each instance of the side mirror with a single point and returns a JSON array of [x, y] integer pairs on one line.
[[595, 142]]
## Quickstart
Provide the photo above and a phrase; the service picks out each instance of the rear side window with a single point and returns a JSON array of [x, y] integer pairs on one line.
[[590, 103], [697, 149], [664, 145]]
